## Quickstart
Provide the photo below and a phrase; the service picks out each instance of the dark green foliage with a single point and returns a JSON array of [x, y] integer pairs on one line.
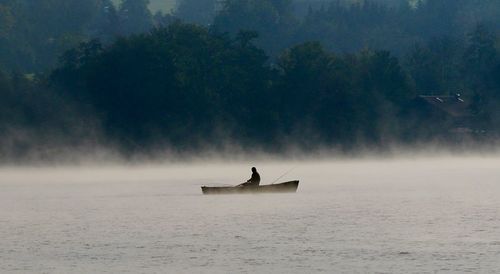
[[435, 67], [33, 34], [349, 26], [197, 11], [135, 16], [37, 122], [316, 92], [184, 85], [106, 24], [252, 78], [345, 99], [38, 31], [174, 83], [272, 19], [481, 59]]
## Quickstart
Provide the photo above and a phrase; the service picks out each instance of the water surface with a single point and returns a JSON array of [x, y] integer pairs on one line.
[[422, 215]]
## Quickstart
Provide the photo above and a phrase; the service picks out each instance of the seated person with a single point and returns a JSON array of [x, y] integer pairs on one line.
[[254, 181]]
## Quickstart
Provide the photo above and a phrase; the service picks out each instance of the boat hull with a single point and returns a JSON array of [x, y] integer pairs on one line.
[[286, 187]]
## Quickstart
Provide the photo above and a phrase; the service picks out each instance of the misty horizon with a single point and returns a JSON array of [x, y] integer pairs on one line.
[[249, 136]]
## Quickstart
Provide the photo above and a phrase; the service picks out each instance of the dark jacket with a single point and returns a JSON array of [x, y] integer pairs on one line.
[[254, 181]]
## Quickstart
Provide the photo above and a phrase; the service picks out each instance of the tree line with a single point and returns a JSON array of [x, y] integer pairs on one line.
[[33, 34], [189, 86]]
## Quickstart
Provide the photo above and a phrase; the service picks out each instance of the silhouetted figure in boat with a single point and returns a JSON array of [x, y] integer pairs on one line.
[[254, 181]]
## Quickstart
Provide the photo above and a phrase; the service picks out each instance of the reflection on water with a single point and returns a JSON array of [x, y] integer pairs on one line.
[[405, 215]]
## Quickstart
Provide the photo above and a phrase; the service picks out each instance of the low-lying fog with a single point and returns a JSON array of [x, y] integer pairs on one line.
[[425, 214]]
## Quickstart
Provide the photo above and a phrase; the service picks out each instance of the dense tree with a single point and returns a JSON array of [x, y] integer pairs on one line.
[[36, 123], [316, 93], [6, 20], [480, 60], [183, 84], [253, 77], [174, 82], [480, 57], [33, 34], [197, 11], [272, 19], [106, 23], [135, 16], [38, 31], [436, 67]]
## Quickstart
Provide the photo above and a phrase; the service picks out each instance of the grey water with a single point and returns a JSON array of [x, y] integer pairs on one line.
[[399, 215]]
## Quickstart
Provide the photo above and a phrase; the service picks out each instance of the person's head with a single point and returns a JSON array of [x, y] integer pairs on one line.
[[254, 169]]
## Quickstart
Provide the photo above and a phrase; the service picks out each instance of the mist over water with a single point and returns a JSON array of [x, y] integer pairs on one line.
[[423, 214], [114, 113]]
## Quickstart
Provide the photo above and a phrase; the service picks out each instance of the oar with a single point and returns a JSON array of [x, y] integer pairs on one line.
[[283, 175]]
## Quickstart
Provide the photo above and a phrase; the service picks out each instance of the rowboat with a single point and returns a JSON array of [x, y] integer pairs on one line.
[[286, 187]]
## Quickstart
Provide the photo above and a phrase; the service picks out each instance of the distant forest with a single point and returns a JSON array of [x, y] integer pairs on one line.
[[258, 74]]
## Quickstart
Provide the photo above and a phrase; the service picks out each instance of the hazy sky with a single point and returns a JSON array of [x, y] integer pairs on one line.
[[165, 5]]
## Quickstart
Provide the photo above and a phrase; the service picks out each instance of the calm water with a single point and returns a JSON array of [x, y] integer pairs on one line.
[[424, 215]]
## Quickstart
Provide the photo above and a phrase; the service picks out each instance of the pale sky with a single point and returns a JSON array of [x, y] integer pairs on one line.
[[164, 5]]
